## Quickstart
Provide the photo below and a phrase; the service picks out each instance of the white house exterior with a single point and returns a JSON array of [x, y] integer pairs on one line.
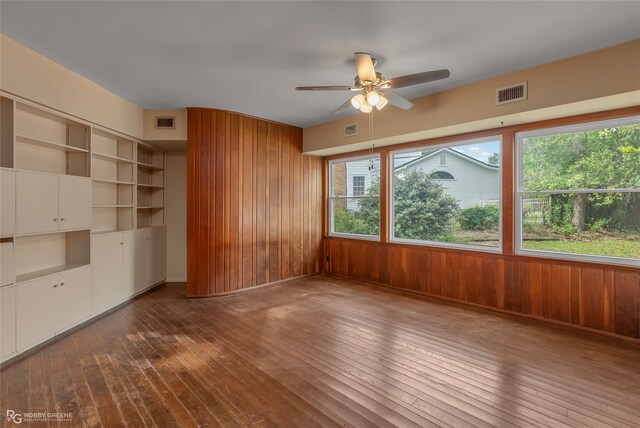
[[467, 179]]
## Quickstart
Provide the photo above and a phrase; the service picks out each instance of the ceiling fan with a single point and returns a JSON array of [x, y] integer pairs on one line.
[[375, 89]]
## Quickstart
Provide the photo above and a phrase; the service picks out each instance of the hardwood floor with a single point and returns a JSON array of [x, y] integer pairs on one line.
[[324, 351]]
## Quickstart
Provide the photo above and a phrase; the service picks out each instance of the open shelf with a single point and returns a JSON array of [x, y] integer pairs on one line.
[[46, 254], [7, 106], [111, 206], [147, 166], [110, 158], [148, 217], [151, 186], [99, 180], [48, 271], [150, 208], [48, 144]]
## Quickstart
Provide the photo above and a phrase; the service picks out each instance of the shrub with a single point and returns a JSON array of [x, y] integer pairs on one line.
[[346, 222], [480, 218]]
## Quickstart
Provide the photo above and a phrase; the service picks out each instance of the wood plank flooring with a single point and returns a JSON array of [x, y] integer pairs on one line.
[[324, 351]]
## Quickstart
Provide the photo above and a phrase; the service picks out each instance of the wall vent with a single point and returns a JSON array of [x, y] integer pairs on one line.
[[511, 94], [351, 130], [165, 122]]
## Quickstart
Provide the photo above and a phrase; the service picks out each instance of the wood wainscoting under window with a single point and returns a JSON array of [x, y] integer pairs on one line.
[[587, 295], [254, 203]]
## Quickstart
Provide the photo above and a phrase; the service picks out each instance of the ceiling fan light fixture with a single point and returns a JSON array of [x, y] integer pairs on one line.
[[358, 100], [373, 98], [366, 107], [382, 102]]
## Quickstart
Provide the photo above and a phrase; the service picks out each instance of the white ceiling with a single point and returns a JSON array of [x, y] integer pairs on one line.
[[249, 56]]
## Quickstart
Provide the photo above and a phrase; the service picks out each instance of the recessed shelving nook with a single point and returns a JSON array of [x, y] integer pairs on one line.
[[150, 187], [113, 174]]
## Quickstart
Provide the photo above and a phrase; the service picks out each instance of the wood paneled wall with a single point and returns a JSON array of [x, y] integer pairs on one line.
[[254, 202], [595, 296], [587, 295]]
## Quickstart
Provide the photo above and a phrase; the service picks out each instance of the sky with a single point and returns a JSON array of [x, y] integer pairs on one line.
[[480, 151]]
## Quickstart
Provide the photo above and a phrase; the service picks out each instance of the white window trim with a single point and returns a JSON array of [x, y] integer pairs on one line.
[[331, 198], [390, 199], [519, 193]]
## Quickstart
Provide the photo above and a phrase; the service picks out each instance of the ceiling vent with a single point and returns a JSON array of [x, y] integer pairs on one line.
[[165, 122], [511, 94], [351, 130]]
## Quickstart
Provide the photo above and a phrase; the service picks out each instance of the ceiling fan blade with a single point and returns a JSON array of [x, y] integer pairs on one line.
[[325, 88], [417, 78], [343, 107], [398, 101], [364, 67]]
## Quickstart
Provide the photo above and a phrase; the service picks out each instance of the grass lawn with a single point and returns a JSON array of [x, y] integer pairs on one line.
[[602, 247]]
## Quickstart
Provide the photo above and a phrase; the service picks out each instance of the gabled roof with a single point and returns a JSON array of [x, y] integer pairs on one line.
[[449, 151]]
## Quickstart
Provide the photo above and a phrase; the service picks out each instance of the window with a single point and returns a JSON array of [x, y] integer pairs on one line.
[[358, 185], [354, 198], [443, 160], [442, 175], [578, 192], [465, 212]]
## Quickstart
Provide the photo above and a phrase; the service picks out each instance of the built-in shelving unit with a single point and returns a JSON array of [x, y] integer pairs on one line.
[[70, 189], [113, 174], [150, 187]]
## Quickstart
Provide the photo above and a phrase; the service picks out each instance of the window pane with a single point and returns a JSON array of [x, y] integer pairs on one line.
[[600, 159], [455, 202], [343, 174], [355, 201], [609, 223], [360, 216]]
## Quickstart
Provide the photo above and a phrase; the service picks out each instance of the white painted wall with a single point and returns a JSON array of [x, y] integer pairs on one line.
[[176, 206]]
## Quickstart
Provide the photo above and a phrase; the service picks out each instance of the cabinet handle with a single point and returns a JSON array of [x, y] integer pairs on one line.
[[61, 284], [122, 243], [62, 219], [55, 219], [55, 285]]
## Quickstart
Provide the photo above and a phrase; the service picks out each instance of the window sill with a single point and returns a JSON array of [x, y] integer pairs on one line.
[[587, 258], [354, 236]]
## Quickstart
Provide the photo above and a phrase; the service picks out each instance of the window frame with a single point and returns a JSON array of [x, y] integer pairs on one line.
[[331, 198], [391, 197], [519, 193]]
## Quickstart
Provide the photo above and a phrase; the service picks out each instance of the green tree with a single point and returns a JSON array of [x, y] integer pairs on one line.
[[494, 159], [599, 159], [422, 208]]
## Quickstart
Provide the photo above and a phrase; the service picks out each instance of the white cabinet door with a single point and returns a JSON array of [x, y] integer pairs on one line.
[[129, 276], [159, 252], [7, 321], [36, 202], [74, 296], [143, 259], [7, 202], [7, 267], [74, 202], [107, 255], [38, 311]]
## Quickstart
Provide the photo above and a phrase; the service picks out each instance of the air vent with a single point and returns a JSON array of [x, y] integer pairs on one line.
[[351, 130], [165, 122], [511, 94]]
